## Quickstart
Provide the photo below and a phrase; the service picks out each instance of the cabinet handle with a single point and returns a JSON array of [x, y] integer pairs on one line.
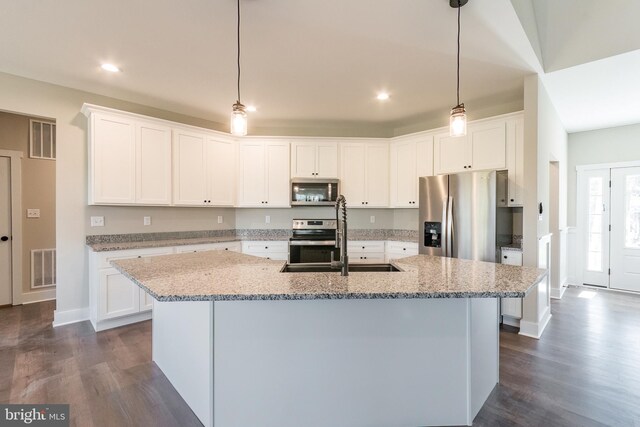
[[363, 247], [505, 257], [362, 203], [404, 249], [366, 203], [266, 247], [464, 167], [512, 200]]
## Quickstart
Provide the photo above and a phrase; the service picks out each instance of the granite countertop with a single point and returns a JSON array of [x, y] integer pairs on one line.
[[512, 247], [230, 276], [118, 242]]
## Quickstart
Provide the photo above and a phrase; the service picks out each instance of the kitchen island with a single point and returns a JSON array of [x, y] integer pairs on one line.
[[245, 344]]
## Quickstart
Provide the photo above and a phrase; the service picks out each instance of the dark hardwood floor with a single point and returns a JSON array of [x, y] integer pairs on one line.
[[585, 371]]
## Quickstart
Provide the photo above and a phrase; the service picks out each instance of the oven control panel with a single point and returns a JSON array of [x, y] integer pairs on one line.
[[314, 224]]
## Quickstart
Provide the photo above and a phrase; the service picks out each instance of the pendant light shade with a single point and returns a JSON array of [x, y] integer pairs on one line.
[[238, 120], [458, 118], [239, 123]]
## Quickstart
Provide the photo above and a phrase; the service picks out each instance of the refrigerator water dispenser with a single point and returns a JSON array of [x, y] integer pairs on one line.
[[432, 234]]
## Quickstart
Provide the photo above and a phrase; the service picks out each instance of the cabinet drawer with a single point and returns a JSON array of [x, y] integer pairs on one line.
[[227, 246], [400, 247], [106, 257], [511, 307], [265, 246], [511, 257], [365, 246], [367, 258]]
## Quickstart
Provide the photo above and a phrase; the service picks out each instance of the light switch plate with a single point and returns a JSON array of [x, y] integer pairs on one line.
[[372, 218], [146, 220], [220, 220], [33, 213], [97, 221], [267, 219]]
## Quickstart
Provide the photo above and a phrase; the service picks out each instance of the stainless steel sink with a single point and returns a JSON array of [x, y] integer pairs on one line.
[[326, 268]]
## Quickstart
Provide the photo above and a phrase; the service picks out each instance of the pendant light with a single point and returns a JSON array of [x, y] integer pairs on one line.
[[239, 112], [458, 119]]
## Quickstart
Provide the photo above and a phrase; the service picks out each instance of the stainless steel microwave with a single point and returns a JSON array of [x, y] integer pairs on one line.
[[314, 191]]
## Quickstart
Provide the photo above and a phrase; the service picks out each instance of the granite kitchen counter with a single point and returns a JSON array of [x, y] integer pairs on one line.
[[222, 276]]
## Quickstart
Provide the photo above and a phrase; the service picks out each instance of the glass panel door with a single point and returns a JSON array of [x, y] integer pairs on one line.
[[625, 228]]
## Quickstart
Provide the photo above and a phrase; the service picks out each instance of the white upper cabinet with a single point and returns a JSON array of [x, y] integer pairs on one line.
[[483, 148], [112, 160], [410, 159], [515, 160], [365, 174], [153, 164], [204, 169], [189, 176], [263, 179], [314, 159]]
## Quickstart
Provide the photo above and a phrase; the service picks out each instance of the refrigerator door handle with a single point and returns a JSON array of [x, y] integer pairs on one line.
[[444, 238], [450, 227]]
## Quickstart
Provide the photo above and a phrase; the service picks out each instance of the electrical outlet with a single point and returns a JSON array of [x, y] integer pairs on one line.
[[97, 221], [33, 213], [146, 220], [220, 220], [267, 219], [372, 218]]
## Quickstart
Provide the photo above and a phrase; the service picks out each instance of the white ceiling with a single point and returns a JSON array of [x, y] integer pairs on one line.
[[321, 62], [302, 61]]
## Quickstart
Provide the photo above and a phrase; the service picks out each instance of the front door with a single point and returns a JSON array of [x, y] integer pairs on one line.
[[625, 228], [5, 231]]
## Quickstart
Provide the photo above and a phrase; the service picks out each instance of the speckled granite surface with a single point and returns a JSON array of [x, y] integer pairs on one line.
[[512, 247], [117, 242], [229, 276]]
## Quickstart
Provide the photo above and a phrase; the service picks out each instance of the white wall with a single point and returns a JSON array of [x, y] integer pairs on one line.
[[619, 144]]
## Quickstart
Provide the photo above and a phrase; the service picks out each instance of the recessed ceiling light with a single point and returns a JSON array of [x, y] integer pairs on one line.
[[251, 108], [382, 96], [110, 67]]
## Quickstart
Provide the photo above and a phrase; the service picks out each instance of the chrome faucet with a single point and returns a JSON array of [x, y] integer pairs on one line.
[[341, 237]]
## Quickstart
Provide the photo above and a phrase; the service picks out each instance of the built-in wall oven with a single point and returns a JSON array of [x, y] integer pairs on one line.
[[313, 240]]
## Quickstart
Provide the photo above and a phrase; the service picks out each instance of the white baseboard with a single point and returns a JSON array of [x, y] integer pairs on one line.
[[533, 329], [557, 293], [38, 296], [103, 325], [67, 317]]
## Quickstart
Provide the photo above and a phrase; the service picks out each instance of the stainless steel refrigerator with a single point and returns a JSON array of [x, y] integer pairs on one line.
[[460, 217]]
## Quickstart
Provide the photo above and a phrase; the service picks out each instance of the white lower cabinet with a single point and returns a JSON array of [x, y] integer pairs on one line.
[[366, 251], [226, 246], [114, 299], [398, 250], [270, 249], [511, 308]]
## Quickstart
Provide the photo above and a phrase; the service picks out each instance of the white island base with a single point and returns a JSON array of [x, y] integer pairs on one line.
[[345, 362]]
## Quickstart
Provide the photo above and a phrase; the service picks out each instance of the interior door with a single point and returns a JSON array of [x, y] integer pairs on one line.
[[625, 229], [593, 226], [5, 231]]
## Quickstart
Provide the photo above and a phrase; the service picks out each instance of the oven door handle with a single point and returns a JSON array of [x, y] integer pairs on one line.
[[312, 242]]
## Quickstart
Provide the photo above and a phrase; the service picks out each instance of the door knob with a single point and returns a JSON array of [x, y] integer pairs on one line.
[[4, 238]]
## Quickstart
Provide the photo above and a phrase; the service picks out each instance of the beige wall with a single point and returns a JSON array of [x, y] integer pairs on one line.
[[619, 144], [38, 192]]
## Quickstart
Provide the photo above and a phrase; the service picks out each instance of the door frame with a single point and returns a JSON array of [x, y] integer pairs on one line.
[[15, 161]]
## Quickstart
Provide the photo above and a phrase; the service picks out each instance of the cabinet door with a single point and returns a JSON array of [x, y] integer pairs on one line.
[[451, 154], [352, 173], [117, 295], [424, 155], [404, 176], [251, 191], [221, 172], [488, 145], [511, 307], [189, 178], [515, 160], [327, 159], [146, 301], [377, 175], [153, 164], [113, 160], [277, 164], [303, 159]]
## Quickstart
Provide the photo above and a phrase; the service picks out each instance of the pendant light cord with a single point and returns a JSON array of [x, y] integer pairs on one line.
[[238, 59], [458, 70]]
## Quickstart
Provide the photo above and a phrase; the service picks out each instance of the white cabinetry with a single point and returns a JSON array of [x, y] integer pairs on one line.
[[515, 160], [204, 169], [365, 174], [410, 159], [398, 250], [129, 161], [366, 251], [226, 246], [314, 159], [483, 148], [511, 308], [114, 299], [269, 249], [263, 174]]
